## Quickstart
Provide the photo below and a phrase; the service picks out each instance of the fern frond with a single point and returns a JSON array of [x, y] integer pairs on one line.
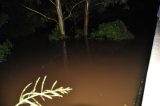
[[31, 97]]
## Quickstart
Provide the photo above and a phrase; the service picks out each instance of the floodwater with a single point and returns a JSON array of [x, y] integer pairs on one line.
[[104, 74]]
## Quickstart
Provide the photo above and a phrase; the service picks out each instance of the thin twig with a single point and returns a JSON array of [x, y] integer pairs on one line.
[[52, 3], [42, 86], [101, 3], [70, 13], [41, 14]]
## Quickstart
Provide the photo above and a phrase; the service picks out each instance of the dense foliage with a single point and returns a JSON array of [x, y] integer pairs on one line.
[[5, 50], [3, 19], [115, 30], [54, 36], [79, 33]]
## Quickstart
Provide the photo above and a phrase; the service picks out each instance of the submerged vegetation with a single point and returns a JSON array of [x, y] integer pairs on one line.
[[31, 97], [54, 36], [115, 30], [5, 50]]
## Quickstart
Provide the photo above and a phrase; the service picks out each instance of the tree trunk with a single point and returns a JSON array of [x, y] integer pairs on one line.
[[86, 18], [60, 18]]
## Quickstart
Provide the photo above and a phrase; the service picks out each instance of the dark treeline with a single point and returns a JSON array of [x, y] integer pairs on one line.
[[18, 17]]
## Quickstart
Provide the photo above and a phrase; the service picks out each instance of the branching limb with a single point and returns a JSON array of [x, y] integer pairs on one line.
[[52, 3], [41, 14], [101, 3], [70, 13]]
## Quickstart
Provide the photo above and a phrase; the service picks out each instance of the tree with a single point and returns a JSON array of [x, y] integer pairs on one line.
[[86, 17], [60, 16], [91, 3]]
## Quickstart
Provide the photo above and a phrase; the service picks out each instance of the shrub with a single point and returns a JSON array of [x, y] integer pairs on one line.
[[79, 33], [115, 30], [3, 19], [55, 36], [5, 50]]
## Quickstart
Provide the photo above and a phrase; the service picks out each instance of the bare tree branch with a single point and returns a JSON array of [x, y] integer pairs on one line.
[[70, 13], [41, 14], [52, 3], [101, 3]]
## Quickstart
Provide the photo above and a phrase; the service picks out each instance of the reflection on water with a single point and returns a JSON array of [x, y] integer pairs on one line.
[[110, 79]]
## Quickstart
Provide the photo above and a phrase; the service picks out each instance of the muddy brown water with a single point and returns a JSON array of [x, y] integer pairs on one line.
[[108, 74]]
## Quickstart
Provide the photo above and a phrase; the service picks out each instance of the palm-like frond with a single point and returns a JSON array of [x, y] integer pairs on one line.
[[30, 97]]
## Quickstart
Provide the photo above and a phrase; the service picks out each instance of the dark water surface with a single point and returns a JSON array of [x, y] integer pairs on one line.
[[108, 74]]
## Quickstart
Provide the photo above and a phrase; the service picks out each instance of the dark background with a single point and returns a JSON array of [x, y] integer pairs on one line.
[[140, 19]]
